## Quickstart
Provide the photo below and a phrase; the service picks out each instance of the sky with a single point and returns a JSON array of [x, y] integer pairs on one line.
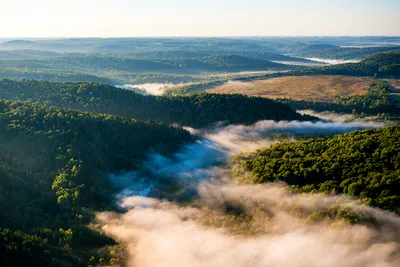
[[131, 18]]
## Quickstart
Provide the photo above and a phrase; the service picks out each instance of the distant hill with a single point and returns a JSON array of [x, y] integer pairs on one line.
[[381, 64], [50, 75], [345, 53], [315, 47], [198, 54], [17, 43], [195, 110], [228, 63], [25, 54], [97, 65]]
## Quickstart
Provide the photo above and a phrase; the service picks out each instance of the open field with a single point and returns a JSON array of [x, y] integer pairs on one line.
[[395, 90], [395, 83], [312, 88]]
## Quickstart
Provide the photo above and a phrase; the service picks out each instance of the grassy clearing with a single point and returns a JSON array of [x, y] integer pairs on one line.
[[311, 88]]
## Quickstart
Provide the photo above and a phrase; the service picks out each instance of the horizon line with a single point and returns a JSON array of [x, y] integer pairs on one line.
[[192, 36]]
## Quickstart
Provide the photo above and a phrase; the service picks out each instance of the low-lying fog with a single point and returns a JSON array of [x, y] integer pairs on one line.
[[299, 63], [333, 61], [148, 88], [159, 88], [179, 209]]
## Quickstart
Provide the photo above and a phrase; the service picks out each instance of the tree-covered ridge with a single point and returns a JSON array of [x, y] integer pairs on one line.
[[26, 54], [52, 174], [184, 54], [361, 163], [93, 64], [381, 64], [194, 110], [345, 52], [50, 75], [224, 63]]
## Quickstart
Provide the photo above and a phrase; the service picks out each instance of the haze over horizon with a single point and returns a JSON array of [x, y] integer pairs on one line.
[[177, 18]]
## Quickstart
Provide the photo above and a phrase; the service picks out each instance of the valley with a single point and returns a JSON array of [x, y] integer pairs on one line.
[[200, 151]]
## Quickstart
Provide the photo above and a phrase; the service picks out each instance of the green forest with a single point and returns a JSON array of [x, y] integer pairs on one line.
[[378, 65], [345, 53], [195, 110], [68, 128], [365, 164], [52, 176]]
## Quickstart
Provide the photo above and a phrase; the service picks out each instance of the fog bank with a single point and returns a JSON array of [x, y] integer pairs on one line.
[[277, 228], [184, 210], [333, 61]]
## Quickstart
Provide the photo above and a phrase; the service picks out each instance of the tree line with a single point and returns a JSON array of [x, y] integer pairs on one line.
[[196, 110]]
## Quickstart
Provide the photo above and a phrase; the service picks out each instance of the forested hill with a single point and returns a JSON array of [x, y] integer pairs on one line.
[[362, 163], [53, 164], [195, 110], [228, 63], [96, 63], [345, 52], [185, 54], [50, 74], [381, 64]]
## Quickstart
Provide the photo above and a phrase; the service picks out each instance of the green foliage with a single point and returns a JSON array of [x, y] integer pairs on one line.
[[191, 88], [102, 65], [21, 249], [362, 163], [195, 110], [49, 74], [53, 171], [378, 95], [345, 53], [226, 63], [376, 64]]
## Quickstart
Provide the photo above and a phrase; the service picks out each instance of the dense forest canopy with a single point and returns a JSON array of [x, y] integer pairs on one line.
[[50, 75], [52, 174], [184, 54], [195, 110], [361, 163], [92, 63], [64, 128]]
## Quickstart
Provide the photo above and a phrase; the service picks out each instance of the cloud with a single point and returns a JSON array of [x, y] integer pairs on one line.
[[344, 117], [184, 210], [276, 230]]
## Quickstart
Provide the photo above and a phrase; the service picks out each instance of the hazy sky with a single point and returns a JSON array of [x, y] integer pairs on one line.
[[118, 18]]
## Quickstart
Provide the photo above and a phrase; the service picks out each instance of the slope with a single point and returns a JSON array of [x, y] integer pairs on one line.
[[194, 110]]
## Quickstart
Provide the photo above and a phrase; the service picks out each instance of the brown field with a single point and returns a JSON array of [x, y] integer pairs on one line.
[[312, 88], [395, 83], [395, 90]]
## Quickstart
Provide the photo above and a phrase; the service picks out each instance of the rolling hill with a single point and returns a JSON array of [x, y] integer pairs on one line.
[[195, 110], [53, 169], [361, 163], [380, 64], [345, 53]]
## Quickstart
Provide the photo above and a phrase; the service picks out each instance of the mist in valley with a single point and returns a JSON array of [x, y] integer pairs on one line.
[[187, 210], [186, 133]]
